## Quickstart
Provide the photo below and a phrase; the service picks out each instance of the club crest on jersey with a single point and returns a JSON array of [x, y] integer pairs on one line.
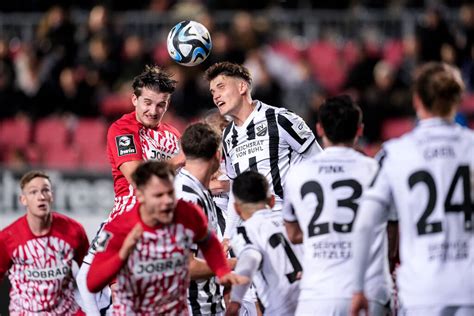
[[125, 145], [261, 129], [102, 240]]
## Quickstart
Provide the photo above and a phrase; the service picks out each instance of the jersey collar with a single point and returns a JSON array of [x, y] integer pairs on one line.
[[436, 121]]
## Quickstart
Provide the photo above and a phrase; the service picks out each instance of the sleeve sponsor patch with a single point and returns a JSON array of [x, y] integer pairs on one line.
[[100, 244], [125, 144]]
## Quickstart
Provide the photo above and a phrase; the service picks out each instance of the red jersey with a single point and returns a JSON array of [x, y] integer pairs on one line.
[[154, 279], [40, 266], [127, 140]]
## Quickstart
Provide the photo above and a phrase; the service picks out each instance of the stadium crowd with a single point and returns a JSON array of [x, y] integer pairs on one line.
[[75, 71]]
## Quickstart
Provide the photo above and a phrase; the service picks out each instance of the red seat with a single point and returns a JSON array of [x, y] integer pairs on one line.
[[115, 105], [60, 157], [95, 158], [396, 127], [467, 104], [15, 133], [51, 132], [287, 48], [393, 52], [90, 132]]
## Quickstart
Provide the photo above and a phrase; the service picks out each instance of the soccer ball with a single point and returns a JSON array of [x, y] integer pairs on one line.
[[189, 43]]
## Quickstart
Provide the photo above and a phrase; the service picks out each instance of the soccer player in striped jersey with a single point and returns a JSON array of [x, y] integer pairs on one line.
[[264, 253], [261, 137], [428, 175], [321, 203], [202, 148]]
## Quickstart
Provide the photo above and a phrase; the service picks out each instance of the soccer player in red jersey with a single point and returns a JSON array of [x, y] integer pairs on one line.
[[147, 249], [135, 137], [38, 251]]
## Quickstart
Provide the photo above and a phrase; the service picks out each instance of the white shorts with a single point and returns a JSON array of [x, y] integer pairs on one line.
[[341, 307], [248, 308], [438, 311]]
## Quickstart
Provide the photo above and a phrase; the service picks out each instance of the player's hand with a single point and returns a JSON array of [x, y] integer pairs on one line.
[[232, 262], [233, 279], [130, 241], [232, 309], [225, 245], [359, 303]]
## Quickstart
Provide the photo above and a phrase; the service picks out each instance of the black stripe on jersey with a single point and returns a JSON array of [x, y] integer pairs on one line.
[[380, 157], [234, 137], [220, 218], [200, 202], [253, 164], [224, 136], [251, 130], [274, 140], [193, 296], [287, 126], [237, 168], [207, 289]]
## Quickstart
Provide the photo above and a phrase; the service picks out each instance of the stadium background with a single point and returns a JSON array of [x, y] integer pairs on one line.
[[66, 71]]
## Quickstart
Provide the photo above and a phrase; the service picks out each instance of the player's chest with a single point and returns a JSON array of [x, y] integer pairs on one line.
[[250, 142], [158, 145], [161, 254], [43, 259]]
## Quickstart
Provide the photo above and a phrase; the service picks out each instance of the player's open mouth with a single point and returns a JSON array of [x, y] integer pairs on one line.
[[43, 206], [220, 103]]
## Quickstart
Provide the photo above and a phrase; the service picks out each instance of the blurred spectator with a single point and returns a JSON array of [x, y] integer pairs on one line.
[[434, 37], [134, 58]]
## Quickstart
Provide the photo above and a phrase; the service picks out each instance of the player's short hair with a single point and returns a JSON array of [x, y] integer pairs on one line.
[[200, 140], [155, 79], [27, 177], [228, 69], [250, 187], [145, 171], [340, 117], [439, 87], [215, 119]]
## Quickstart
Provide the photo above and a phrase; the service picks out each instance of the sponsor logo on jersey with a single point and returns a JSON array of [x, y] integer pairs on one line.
[[160, 266], [125, 144], [48, 273], [261, 129]]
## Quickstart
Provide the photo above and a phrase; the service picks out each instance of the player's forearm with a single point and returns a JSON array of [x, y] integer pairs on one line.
[[199, 269], [103, 272], [294, 232], [214, 255], [247, 265]]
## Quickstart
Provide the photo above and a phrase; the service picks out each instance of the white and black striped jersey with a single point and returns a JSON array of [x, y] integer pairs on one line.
[[323, 196], [428, 175], [277, 280], [269, 141], [205, 297]]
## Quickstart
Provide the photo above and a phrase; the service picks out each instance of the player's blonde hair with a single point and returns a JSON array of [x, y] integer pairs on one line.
[[27, 177]]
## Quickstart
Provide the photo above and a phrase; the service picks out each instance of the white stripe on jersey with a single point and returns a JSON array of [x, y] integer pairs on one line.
[[323, 196], [269, 142], [205, 297], [428, 175], [276, 282]]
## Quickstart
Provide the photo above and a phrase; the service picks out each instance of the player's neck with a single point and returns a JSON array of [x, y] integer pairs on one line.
[[200, 169], [243, 112], [327, 143], [39, 226]]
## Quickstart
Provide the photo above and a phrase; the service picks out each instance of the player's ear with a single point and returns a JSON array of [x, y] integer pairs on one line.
[[134, 99], [140, 196], [271, 201], [360, 130], [22, 199], [320, 130], [237, 207]]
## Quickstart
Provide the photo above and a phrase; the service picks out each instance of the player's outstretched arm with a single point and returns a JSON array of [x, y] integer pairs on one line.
[[214, 254], [107, 264]]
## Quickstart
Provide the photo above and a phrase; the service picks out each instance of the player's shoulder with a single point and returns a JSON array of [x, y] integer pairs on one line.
[[14, 229], [123, 222], [127, 122], [186, 211], [66, 223]]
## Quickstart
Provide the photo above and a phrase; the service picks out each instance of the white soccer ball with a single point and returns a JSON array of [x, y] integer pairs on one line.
[[189, 43]]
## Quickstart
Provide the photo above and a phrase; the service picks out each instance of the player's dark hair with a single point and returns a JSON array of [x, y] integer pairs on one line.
[[27, 177], [229, 69], [250, 187], [200, 140], [155, 79], [144, 172], [439, 87], [340, 117]]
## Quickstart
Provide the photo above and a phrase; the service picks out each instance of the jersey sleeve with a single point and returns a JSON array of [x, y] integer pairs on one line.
[[379, 189], [123, 144], [107, 263], [5, 260], [295, 131], [198, 220], [82, 245]]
